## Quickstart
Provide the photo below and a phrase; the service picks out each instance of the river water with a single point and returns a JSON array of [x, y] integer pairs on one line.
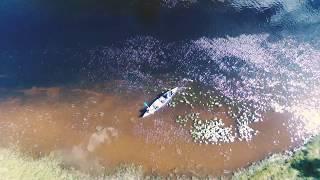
[[74, 76]]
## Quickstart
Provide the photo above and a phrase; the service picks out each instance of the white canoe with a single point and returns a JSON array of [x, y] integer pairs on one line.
[[160, 102]]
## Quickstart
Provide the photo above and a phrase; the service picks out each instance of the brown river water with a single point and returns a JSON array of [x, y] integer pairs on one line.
[[95, 63], [91, 130]]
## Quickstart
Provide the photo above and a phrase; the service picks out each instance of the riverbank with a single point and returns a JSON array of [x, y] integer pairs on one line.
[[14, 165], [304, 163]]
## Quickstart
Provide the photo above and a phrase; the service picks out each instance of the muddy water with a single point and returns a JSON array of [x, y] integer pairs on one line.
[[91, 130]]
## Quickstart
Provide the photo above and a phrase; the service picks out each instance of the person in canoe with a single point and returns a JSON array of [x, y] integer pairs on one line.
[[160, 102]]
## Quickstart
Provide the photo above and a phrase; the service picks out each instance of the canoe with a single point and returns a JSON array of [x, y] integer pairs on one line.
[[160, 102]]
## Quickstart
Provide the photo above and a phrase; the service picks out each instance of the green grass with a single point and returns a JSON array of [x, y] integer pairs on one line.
[[303, 164], [15, 166]]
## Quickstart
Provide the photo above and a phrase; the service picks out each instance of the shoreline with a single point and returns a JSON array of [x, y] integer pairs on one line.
[[288, 164]]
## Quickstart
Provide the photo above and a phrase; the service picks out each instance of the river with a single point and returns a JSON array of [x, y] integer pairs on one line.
[[74, 76]]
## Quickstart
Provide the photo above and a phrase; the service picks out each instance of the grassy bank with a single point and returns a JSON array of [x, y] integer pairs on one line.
[[304, 164], [15, 166]]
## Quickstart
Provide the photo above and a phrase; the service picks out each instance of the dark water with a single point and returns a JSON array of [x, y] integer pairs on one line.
[[261, 56], [85, 23], [46, 41]]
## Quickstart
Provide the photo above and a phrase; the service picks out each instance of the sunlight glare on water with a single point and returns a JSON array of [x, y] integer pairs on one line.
[[74, 77]]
